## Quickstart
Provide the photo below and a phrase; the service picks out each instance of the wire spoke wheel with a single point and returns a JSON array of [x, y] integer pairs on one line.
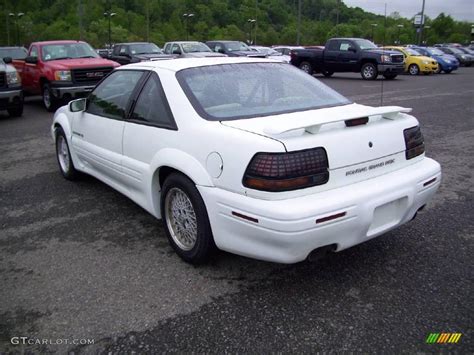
[[181, 218]]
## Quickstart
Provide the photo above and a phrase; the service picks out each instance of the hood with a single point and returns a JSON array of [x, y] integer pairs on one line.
[[246, 54], [153, 56], [64, 64], [423, 57], [204, 55]]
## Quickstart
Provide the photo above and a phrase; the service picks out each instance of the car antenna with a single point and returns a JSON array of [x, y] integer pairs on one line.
[[383, 51]]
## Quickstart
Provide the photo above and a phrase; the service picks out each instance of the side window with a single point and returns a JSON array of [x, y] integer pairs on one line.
[[123, 50], [218, 48], [344, 46], [34, 52], [175, 49], [167, 48], [116, 50], [110, 98], [333, 45], [152, 105]]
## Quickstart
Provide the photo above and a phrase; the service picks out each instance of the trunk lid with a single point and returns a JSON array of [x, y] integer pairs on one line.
[[354, 153]]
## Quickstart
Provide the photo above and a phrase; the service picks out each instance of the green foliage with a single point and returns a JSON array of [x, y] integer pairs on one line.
[[213, 19]]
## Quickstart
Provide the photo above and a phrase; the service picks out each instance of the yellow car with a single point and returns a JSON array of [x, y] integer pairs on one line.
[[415, 63]]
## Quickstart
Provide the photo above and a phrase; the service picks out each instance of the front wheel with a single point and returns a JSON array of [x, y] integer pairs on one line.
[[390, 76], [306, 67], [439, 70], [369, 71], [63, 155], [16, 111], [49, 101], [448, 71], [186, 221], [414, 69]]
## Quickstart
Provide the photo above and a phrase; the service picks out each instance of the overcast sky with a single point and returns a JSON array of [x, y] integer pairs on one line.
[[459, 9]]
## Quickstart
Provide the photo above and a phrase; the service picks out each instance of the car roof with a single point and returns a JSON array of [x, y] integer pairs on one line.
[[176, 65], [226, 41], [56, 42], [127, 43]]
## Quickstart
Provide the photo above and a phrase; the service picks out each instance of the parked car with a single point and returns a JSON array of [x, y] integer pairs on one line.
[[349, 55], [11, 94], [232, 48], [126, 53], [415, 62], [255, 173], [104, 52], [285, 51], [61, 71], [446, 62], [270, 53], [13, 52], [190, 49], [463, 58]]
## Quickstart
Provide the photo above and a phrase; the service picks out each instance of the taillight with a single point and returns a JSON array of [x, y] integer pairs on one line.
[[287, 171], [414, 142]]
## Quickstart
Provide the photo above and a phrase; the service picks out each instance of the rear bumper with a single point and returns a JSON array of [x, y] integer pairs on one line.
[[390, 68], [287, 230], [69, 90], [10, 98]]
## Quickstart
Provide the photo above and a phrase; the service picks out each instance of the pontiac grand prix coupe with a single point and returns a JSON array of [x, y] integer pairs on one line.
[[250, 156]]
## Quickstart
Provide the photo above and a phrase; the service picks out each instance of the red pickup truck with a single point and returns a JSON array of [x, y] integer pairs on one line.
[[61, 71]]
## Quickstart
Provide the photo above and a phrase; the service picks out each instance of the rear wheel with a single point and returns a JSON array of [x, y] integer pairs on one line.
[[49, 101], [439, 70], [414, 69], [306, 67], [327, 73], [369, 71], [186, 221]]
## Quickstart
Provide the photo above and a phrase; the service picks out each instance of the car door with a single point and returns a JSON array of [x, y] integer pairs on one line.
[[149, 128], [30, 74], [97, 132], [125, 56], [331, 53], [348, 56]]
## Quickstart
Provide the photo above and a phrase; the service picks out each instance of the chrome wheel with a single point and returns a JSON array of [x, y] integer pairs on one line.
[[181, 219], [414, 70], [306, 68], [63, 154], [369, 71]]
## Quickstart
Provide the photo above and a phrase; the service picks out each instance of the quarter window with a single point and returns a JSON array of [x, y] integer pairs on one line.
[[152, 106], [111, 97]]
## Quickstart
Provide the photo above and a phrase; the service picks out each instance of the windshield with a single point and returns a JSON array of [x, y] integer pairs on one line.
[[455, 50], [365, 44], [145, 48], [245, 90], [236, 46], [195, 47], [435, 51], [411, 51], [13, 53], [67, 51], [267, 51]]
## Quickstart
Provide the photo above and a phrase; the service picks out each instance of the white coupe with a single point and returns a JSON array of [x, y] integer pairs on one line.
[[250, 156]]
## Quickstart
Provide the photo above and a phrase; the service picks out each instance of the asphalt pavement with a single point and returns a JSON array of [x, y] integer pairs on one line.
[[79, 262]]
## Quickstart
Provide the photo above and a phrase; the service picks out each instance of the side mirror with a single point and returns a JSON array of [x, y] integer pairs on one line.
[[31, 60], [7, 60], [78, 105]]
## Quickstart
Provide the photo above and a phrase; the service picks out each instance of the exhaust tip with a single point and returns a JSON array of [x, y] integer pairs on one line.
[[320, 253]]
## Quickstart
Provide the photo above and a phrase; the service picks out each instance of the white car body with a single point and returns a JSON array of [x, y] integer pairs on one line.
[[369, 192]]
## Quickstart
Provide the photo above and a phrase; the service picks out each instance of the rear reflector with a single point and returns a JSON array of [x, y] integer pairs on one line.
[[287, 171], [414, 142], [330, 218], [357, 122], [248, 218]]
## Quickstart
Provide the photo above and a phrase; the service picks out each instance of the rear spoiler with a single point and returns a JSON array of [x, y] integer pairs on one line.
[[313, 120]]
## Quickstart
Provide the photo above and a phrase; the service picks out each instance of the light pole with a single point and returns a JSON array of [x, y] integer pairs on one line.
[[250, 21], [426, 34], [298, 32], [373, 28], [109, 15], [186, 18], [398, 36], [16, 17]]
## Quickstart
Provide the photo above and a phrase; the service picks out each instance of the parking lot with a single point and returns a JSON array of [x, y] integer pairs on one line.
[[81, 261]]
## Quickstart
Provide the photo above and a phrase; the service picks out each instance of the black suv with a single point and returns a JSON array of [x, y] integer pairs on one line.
[[126, 53]]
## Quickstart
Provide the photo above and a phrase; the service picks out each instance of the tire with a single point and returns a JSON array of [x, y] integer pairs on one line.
[[439, 70], [16, 111], [369, 71], [63, 156], [306, 67], [413, 69], [390, 76], [468, 64], [328, 74], [183, 208], [49, 101], [448, 71]]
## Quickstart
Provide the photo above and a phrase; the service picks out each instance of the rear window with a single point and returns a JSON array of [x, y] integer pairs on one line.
[[246, 90]]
